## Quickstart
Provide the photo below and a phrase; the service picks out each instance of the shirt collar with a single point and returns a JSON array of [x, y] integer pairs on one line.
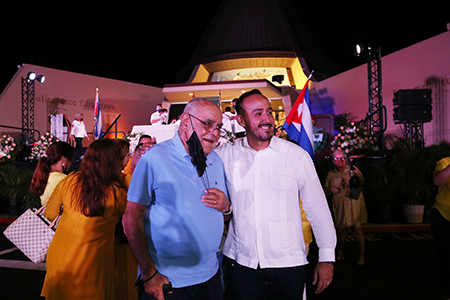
[[179, 146], [274, 144], [181, 150]]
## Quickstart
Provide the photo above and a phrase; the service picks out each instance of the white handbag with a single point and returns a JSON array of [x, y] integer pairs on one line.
[[32, 233]]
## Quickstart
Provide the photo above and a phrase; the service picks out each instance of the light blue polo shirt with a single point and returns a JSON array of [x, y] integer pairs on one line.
[[183, 235]]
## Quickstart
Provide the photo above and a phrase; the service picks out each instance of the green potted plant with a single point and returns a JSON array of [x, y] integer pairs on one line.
[[378, 192], [14, 190], [412, 179]]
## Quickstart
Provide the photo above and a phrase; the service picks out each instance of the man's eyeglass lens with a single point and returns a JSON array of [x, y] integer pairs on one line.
[[210, 126]]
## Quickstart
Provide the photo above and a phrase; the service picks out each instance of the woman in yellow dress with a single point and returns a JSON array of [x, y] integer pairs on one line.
[[49, 171], [81, 257], [347, 212]]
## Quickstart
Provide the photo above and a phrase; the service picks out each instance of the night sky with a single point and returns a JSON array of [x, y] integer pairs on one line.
[[149, 43]]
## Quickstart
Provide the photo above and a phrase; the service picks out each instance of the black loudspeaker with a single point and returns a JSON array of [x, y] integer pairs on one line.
[[413, 113], [412, 106], [412, 97]]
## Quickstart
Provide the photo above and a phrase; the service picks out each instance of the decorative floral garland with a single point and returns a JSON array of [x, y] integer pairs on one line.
[[8, 149], [41, 146]]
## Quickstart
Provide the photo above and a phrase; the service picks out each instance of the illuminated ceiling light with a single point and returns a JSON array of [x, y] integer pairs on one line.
[[31, 76], [243, 91], [280, 107], [191, 94]]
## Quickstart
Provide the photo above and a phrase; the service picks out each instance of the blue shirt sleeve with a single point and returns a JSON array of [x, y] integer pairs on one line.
[[141, 182]]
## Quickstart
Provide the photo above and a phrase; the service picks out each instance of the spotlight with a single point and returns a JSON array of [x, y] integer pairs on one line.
[[40, 78], [31, 76], [358, 50], [361, 50]]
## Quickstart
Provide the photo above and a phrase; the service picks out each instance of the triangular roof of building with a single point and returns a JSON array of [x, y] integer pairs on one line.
[[245, 28]]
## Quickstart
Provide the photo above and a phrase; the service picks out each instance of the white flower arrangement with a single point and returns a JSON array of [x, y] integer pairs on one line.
[[41, 146], [354, 139], [226, 137], [133, 139], [8, 148]]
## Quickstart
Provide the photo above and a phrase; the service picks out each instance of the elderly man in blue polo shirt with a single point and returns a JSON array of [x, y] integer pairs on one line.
[[174, 215]]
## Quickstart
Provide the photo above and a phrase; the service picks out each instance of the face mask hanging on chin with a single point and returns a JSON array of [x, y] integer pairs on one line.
[[198, 157]]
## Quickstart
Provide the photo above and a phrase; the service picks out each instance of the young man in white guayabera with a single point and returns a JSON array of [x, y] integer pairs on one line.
[[265, 250]]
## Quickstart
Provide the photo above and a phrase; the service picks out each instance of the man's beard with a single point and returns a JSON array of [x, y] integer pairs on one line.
[[264, 136]]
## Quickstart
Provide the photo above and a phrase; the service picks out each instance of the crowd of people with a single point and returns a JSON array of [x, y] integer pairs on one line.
[[154, 224]]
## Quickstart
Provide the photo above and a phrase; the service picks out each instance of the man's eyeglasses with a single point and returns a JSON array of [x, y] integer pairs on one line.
[[210, 125], [148, 144], [340, 158]]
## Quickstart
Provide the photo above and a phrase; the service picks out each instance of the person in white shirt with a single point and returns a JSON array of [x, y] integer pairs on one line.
[[237, 129], [226, 119], [157, 118], [78, 131], [165, 114], [265, 249]]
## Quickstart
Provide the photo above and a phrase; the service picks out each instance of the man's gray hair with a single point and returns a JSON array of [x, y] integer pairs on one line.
[[193, 105], [333, 155]]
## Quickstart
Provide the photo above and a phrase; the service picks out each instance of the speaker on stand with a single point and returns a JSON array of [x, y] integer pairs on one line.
[[412, 108]]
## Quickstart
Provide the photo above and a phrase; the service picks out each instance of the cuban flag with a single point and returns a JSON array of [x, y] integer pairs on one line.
[[97, 117], [298, 124]]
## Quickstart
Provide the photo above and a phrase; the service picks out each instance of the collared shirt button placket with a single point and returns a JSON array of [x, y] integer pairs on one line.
[[257, 165]]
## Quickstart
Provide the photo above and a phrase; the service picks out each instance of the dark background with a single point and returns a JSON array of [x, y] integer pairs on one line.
[[149, 43]]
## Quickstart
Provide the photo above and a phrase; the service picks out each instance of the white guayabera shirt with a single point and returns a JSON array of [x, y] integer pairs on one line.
[[264, 188]]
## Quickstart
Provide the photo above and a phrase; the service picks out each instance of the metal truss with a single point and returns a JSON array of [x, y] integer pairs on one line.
[[28, 108], [376, 116], [413, 132]]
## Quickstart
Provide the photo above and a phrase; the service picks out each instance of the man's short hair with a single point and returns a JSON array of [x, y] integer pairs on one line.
[[146, 136], [239, 109]]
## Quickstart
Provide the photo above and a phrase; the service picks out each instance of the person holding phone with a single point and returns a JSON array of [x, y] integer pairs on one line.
[[347, 212]]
